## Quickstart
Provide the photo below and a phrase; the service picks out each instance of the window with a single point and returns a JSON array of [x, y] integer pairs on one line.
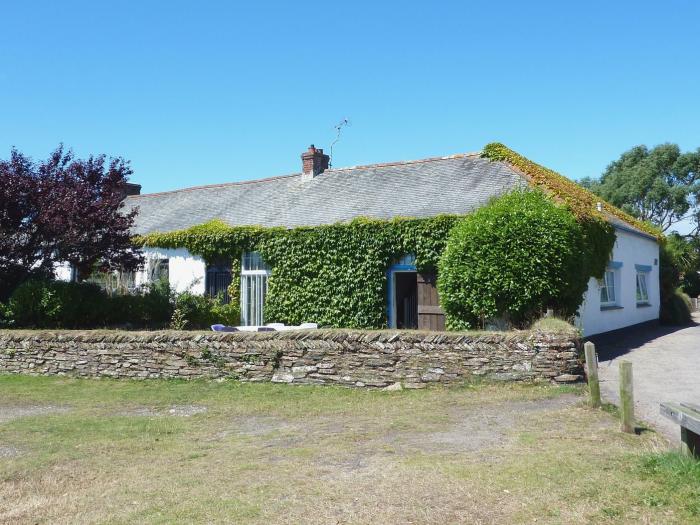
[[158, 270], [218, 279], [119, 282], [607, 289], [254, 274], [642, 292]]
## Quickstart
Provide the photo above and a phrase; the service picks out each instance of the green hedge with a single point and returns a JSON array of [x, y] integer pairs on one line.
[[58, 304], [513, 259]]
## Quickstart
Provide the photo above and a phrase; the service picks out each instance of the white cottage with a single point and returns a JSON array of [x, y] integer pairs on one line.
[[458, 184]]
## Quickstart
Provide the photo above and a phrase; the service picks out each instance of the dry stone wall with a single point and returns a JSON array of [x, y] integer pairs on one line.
[[350, 358]]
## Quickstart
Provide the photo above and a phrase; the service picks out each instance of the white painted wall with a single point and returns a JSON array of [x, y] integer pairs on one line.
[[62, 271], [186, 271], [630, 249]]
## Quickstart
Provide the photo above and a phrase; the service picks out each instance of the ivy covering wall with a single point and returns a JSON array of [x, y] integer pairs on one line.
[[334, 275]]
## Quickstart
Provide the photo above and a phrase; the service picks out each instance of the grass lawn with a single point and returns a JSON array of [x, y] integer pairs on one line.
[[101, 451]]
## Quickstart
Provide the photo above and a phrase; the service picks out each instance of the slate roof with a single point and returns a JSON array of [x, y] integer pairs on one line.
[[456, 184], [422, 188]]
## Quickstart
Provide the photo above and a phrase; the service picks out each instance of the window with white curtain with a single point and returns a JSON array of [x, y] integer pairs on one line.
[[254, 274]]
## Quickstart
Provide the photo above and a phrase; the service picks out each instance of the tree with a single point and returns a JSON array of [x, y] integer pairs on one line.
[[63, 210], [681, 256], [513, 259], [660, 185]]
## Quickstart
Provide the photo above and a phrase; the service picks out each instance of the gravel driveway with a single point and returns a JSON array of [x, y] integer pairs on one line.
[[666, 367]]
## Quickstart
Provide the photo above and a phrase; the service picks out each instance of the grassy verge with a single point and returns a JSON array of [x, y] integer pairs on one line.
[[102, 451]]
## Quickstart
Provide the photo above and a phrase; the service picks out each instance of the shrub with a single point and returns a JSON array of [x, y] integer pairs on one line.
[[50, 304], [201, 311], [514, 258], [6, 316], [59, 304], [691, 284], [676, 308], [151, 308], [178, 321]]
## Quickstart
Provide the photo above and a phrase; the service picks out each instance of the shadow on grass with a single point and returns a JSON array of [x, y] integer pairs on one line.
[[640, 427]]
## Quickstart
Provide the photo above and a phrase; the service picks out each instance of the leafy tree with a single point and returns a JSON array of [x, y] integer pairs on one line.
[[513, 259], [63, 209], [681, 256], [660, 185]]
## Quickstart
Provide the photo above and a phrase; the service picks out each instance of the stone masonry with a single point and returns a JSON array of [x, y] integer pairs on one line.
[[338, 357]]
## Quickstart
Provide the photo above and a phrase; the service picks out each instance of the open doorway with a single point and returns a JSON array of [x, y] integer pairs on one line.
[[406, 300]]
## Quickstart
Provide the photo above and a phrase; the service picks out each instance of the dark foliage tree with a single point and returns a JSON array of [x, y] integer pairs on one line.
[[660, 185], [63, 210]]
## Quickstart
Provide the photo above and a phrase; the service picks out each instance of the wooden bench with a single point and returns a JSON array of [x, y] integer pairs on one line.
[[687, 415]]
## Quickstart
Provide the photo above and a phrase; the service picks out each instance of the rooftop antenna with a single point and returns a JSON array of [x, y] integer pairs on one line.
[[338, 128]]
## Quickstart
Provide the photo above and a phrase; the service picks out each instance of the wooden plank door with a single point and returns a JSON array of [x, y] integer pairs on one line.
[[430, 315]]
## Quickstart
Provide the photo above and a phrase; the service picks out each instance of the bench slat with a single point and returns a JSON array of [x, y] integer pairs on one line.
[[683, 415]]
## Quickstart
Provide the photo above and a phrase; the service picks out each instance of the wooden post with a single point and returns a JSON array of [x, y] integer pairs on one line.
[[592, 372], [687, 448], [626, 397]]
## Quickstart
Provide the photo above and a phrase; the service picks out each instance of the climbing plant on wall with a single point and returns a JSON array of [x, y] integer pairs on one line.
[[333, 274]]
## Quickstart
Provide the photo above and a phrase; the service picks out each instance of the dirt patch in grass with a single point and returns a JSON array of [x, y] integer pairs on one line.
[[478, 428], [186, 410], [175, 410], [7, 451], [10, 412]]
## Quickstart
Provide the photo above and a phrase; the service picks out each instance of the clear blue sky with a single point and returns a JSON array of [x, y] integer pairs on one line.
[[204, 92]]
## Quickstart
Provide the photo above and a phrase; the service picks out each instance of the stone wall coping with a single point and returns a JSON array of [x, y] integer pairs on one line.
[[367, 336]]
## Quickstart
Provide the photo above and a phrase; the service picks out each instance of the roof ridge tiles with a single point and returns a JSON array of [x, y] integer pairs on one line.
[[404, 162], [277, 177]]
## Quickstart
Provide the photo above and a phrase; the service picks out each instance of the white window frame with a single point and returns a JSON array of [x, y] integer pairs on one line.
[[253, 290], [642, 299], [610, 278]]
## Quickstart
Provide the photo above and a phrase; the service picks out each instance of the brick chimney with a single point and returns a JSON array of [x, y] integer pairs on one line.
[[130, 189], [313, 162]]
